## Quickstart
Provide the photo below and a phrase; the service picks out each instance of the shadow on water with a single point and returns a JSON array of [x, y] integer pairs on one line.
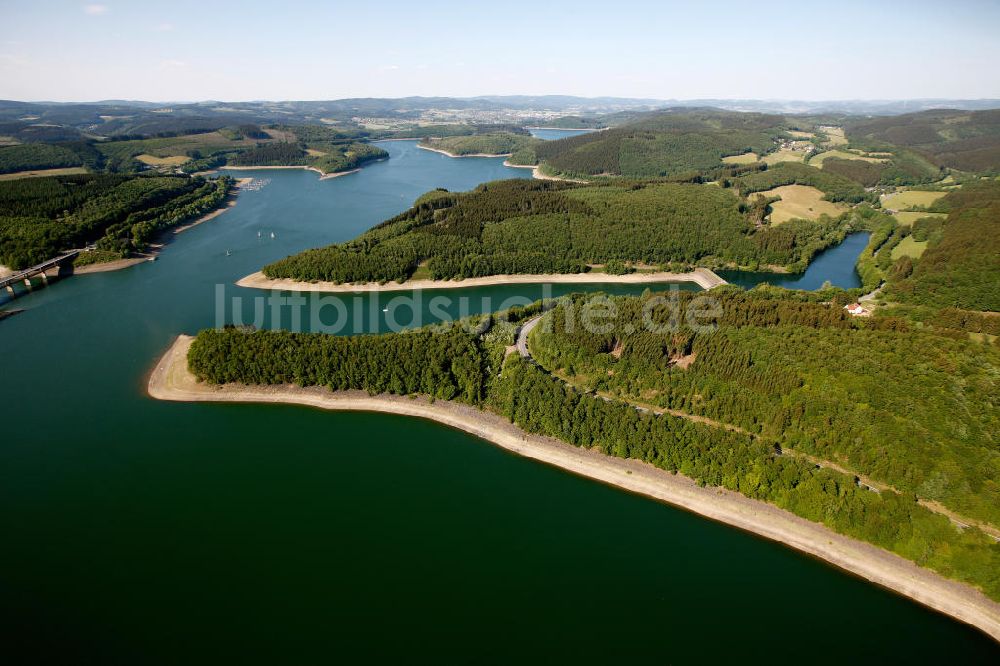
[[835, 264]]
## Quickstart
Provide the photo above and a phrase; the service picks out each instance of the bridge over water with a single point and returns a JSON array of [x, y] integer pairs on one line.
[[48, 268]]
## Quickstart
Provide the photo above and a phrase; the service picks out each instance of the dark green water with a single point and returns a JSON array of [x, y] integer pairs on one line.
[[137, 531]]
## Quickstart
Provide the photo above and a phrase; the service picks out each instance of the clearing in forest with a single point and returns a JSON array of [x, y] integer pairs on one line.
[[784, 156], [909, 247], [817, 160], [745, 158], [910, 199], [800, 202], [835, 136], [35, 173], [154, 161]]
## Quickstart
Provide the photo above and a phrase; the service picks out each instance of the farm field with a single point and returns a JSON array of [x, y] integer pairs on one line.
[[909, 247], [910, 199], [745, 158], [800, 202], [835, 136], [801, 135], [908, 217], [38, 173], [784, 156], [817, 160], [153, 160], [176, 146]]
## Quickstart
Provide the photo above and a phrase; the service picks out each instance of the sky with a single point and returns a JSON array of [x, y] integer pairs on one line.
[[183, 50]]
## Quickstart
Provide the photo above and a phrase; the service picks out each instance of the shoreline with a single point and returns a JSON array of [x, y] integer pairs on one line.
[[322, 174], [162, 238], [703, 277], [445, 152], [172, 381], [536, 172], [567, 129]]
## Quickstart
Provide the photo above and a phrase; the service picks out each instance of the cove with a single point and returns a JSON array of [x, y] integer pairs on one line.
[[144, 531], [836, 264]]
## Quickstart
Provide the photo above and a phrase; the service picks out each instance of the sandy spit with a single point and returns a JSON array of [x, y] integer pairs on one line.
[[171, 380], [703, 277], [445, 152], [322, 174]]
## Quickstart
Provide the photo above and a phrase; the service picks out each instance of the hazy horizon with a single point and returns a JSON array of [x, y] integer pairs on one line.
[[72, 51], [263, 100]]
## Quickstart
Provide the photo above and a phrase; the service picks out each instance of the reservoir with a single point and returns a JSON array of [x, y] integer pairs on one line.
[[551, 134], [138, 531]]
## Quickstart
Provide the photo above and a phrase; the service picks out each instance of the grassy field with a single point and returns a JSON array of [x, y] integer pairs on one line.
[[68, 171], [909, 217], [784, 156], [177, 146], [835, 136], [745, 158], [801, 135], [800, 202], [281, 135], [909, 247], [315, 153], [817, 160], [152, 160], [910, 199]]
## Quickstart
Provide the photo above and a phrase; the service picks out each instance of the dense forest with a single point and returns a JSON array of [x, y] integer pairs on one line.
[[965, 140], [499, 143], [270, 154], [37, 156], [325, 148], [666, 144], [904, 406], [962, 261], [446, 365], [520, 226], [835, 187], [39, 217], [472, 368]]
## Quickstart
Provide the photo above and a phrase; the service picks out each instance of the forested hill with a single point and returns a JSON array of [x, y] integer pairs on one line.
[[964, 140], [39, 217], [325, 148], [523, 226], [961, 265], [499, 143], [664, 144]]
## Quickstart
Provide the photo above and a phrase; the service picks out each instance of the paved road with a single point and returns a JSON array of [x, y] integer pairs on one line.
[[522, 336]]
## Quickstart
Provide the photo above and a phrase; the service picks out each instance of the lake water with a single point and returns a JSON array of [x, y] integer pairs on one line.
[[138, 531], [549, 134], [835, 264]]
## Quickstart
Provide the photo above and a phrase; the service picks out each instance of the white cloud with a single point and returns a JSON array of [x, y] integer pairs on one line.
[[95, 10], [172, 64], [164, 27]]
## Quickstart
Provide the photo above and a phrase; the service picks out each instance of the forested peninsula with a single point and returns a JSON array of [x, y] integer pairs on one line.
[[661, 399], [118, 214], [519, 226]]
